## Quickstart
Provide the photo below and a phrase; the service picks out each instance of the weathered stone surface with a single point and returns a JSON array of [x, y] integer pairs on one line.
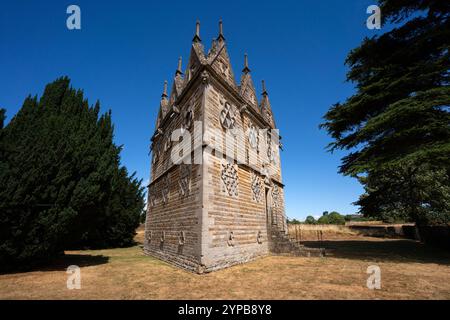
[[222, 212]]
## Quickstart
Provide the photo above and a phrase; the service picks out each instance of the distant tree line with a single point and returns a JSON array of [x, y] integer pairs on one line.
[[326, 218], [62, 184]]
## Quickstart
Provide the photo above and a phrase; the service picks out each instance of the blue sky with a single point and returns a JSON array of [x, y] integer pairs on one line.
[[125, 50]]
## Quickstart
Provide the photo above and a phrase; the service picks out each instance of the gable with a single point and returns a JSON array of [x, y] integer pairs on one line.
[[222, 65], [248, 92]]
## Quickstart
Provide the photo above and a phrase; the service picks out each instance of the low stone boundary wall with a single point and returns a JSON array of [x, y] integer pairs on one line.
[[386, 230], [438, 236]]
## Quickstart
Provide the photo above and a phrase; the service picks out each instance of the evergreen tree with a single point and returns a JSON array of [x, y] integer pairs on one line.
[[2, 117], [63, 185], [397, 124]]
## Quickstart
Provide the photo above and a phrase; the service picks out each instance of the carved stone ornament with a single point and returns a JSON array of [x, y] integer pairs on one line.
[[156, 151], [165, 188], [205, 77], [268, 116], [193, 69], [230, 240], [228, 116], [256, 187], [223, 67], [188, 118], [270, 151], [229, 177], [253, 138], [151, 197], [243, 108], [149, 236], [259, 237], [266, 175], [185, 179], [167, 141], [181, 238], [275, 196]]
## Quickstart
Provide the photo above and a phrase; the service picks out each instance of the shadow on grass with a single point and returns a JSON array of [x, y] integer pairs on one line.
[[386, 251], [61, 263], [81, 260]]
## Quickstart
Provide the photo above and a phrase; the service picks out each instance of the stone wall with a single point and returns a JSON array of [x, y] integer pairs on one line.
[[173, 227], [236, 229], [235, 226], [173, 230]]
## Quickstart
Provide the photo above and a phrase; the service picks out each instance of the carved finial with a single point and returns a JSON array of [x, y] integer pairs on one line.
[[179, 67], [220, 37], [197, 32], [264, 91], [164, 94], [246, 68]]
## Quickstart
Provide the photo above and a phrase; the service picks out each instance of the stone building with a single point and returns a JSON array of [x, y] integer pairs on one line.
[[216, 196]]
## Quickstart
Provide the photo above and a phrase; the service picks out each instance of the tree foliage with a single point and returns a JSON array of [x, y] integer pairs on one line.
[[331, 218], [407, 193], [310, 220], [396, 126], [293, 221], [62, 182], [2, 117]]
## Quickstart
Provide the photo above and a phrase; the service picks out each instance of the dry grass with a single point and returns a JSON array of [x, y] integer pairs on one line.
[[340, 229], [363, 223], [409, 271]]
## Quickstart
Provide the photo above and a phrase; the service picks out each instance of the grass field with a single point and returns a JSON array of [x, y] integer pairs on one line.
[[408, 271]]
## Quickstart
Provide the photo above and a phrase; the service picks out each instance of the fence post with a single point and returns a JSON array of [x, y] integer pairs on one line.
[[300, 234]]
